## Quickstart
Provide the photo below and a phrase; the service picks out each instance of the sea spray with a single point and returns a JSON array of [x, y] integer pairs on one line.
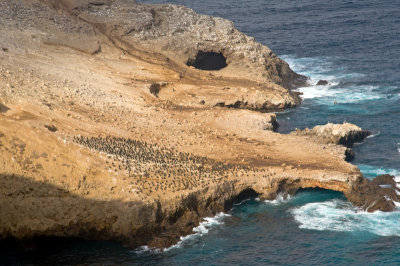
[[339, 215], [200, 230], [280, 199]]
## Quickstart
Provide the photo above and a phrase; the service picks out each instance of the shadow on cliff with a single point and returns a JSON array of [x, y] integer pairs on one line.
[[36, 213], [31, 212]]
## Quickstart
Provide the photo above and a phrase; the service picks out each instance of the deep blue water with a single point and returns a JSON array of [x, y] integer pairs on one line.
[[355, 45]]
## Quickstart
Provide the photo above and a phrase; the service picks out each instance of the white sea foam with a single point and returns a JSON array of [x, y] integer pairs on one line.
[[397, 180], [374, 135], [371, 172], [200, 230], [322, 68], [243, 201], [279, 200], [329, 95], [338, 215], [145, 249], [319, 68], [318, 92]]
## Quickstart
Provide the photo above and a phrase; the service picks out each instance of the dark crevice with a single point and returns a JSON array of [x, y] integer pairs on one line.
[[248, 193], [208, 61]]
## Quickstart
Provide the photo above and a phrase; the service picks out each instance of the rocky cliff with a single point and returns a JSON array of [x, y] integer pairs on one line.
[[187, 38], [108, 130]]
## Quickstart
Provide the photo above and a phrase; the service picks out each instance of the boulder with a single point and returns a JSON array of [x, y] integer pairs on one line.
[[322, 82]]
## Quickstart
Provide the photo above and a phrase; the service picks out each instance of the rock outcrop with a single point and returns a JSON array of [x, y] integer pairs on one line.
[[322, 82], [345, 134], [90, 149], [183, 35], [153, 33], [379, 194]]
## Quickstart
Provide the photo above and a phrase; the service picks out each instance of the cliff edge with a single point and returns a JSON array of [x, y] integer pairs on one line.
[[113, 126]]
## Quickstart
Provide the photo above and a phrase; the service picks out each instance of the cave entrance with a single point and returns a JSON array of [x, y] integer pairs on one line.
[[247, 193], [208, 61]]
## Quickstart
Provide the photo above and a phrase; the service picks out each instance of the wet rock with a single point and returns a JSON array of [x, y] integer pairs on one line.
[[383, 180], [322, 82], [372, 196]]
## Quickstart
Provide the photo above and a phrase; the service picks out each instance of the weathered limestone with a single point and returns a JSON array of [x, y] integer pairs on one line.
[[153, 33], [181, 34], [175, 151], [345, 134]]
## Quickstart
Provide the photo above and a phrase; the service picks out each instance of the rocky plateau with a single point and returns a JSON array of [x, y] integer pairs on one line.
[[131, 122]]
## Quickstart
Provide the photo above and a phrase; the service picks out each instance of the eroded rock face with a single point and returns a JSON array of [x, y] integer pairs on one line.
[[252, 98], [345, 134], [182, 34], [182, 162], [378, 194]]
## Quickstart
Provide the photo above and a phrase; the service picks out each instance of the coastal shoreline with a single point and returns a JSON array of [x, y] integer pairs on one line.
[[180, 143]]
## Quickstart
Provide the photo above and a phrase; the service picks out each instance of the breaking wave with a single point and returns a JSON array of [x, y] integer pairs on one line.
[[339, 215], [199, 231], [340, 88]]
